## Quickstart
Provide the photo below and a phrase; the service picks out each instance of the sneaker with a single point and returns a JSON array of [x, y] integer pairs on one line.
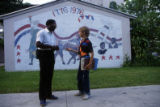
[[85, 97], [52, 97], [78, 94], [43, 103]]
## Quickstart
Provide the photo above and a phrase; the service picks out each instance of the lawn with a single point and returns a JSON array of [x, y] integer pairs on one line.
[[16, 82]]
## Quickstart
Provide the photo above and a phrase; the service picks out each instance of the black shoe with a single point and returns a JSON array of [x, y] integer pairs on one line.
[[52, 97], [43, 103]]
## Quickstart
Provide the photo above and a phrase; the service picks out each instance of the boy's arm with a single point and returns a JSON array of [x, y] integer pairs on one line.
[[69, 49], [90, 61]]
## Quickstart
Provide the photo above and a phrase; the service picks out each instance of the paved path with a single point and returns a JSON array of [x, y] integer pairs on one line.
[[140, 96]]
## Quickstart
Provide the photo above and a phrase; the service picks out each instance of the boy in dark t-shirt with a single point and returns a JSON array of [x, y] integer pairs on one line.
[[85, 51]]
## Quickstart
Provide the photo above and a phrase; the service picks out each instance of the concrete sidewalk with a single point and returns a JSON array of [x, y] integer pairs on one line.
[[140, 96]]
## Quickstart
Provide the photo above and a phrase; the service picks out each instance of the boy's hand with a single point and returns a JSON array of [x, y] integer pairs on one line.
[[88, 67], [68, 49]]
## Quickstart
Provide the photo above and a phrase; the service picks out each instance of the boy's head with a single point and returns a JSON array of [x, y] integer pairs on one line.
[[84, 31]]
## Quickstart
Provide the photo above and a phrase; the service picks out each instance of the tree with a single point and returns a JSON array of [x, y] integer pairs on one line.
[[113, 5], [8, 6], [145, 32]]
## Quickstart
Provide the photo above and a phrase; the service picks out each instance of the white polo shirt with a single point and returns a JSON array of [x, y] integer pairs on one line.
[[46, 37]]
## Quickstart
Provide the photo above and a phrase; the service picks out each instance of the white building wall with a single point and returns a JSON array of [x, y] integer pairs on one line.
[[104, 26], [9, 55]]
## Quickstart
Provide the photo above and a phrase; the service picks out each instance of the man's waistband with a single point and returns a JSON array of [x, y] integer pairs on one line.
[[44, 49]]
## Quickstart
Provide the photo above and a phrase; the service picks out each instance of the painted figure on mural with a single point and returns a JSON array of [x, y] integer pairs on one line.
[[72, 43], [104, 34], [105, 29], [113, 42], [32, 47], [102, 49], [60, 51], [75, 46]]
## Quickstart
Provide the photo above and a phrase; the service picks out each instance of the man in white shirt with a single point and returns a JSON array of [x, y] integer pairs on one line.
[[46, 45]]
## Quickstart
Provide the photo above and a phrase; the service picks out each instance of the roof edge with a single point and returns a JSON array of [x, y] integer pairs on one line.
[[29, 9], [105, 9], [37, 7]]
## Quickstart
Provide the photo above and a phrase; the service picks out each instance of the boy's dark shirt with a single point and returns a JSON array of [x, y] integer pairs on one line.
[[85, 47]]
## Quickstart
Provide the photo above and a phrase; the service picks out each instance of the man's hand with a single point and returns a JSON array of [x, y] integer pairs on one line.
[[45, 46]]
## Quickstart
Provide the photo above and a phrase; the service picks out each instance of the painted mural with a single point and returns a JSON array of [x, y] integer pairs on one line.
[[105, 34]]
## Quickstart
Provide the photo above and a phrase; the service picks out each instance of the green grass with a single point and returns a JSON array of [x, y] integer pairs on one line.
[[15, 82]]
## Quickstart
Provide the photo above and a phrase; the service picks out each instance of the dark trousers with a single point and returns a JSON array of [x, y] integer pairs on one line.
[[83, 81], [46, 61]]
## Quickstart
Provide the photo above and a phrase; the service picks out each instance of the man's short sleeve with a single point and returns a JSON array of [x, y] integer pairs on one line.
[[39, 36]]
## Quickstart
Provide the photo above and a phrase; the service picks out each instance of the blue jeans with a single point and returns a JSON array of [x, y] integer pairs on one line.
[[83, 81]]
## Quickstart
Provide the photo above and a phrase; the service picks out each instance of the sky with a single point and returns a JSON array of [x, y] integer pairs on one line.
[[37, 1]]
